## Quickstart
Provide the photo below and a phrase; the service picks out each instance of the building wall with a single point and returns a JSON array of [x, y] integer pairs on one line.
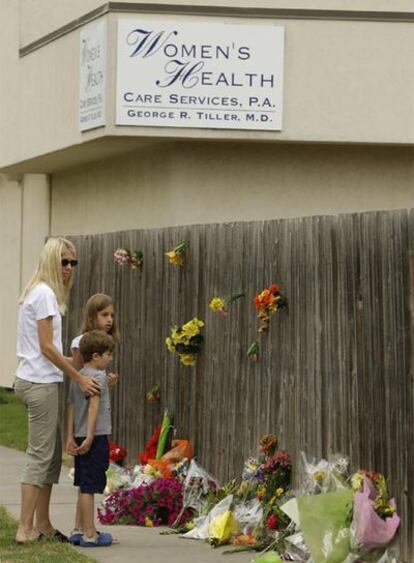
[[10, 236], [187, 183], [39, 17], [24, 225], [345, 81]]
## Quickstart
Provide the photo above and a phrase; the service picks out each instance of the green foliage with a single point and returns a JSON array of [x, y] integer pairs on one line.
[[13, 421], [44, 551]]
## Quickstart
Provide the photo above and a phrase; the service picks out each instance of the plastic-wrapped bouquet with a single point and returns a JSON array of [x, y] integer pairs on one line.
[[375, 520], [325, 475], [197, 486]]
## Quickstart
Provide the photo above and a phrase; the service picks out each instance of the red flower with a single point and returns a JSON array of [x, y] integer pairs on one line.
[[150, 449], [116, 453], [271, 522]]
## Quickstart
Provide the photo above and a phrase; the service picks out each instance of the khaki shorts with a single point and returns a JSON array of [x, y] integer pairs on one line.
[[44, 451]]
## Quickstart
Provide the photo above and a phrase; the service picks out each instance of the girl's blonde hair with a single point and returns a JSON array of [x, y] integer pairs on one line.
[[49, 271], [94, 305]]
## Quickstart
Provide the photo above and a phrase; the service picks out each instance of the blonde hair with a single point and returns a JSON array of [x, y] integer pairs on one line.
[[95, 304], [49, 270]]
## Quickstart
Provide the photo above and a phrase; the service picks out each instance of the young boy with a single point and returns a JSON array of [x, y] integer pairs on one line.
[[88, 428]]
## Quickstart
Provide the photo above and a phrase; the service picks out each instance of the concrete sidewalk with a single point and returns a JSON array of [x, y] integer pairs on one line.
[[142, 545]]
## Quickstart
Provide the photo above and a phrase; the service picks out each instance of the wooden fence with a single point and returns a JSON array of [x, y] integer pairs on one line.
[[336, 370]]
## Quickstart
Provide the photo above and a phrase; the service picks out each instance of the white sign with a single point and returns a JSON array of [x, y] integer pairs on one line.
[[191, 74], [92, 76]]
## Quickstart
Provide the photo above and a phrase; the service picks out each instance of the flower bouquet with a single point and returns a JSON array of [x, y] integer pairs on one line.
[[125, 256], [152, 504], [186, 341], [268, 302], [220, 305], [117, 453], [150, 450], [375, 520], [176, 256]]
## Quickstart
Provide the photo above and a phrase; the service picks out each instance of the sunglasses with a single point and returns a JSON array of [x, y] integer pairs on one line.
[[65, 262]]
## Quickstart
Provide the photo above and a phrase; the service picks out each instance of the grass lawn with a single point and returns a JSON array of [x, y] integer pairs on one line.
[[13, 424], [13, 421], [44, 551]]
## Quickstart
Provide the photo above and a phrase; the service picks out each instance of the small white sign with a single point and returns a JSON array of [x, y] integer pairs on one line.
[[92, 76], [192, 74]]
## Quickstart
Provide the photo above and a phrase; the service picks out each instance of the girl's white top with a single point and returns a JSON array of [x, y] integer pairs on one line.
[[39, 304], [75, 342]]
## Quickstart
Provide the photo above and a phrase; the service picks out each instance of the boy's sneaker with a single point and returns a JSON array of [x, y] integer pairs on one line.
[[101, 540], [75, 537]]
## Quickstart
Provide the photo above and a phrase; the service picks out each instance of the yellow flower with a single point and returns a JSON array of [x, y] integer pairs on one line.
[[217, 304], [148, 522], [192, 328], [187, 359], [279, 491], [260, 492], [357, 481], [179, 337], [150, 470], [319, 475], [169, 344], [174, 258]]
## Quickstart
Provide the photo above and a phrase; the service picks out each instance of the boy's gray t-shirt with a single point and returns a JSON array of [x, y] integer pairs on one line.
[[81, 404]]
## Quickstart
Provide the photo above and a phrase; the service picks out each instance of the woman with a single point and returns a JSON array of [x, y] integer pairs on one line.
[[38, 378]]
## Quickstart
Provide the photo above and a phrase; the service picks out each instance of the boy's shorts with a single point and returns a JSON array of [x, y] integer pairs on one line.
[[90, 468]]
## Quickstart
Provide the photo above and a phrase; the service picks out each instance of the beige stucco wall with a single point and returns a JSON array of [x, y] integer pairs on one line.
[[39, 17], [188, 183], [10, 227], [24, 225], [345, 81]]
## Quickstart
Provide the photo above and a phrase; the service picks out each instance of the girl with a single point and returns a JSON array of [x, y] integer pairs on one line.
[[38, 378], [98, 314]]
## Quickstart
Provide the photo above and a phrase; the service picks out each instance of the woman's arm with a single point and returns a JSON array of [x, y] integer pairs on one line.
[[88, 385]]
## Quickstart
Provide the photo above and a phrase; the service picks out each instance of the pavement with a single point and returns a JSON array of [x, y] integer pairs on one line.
[[137, 544]]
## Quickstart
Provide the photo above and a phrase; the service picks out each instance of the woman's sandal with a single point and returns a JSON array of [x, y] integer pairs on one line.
[[57, 535]]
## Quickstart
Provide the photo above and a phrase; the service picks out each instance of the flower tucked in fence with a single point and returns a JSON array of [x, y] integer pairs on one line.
[[268, 302], [125, 256], [186, 341], [177, 254], [253, 351], [154, 394], [220, 305]]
